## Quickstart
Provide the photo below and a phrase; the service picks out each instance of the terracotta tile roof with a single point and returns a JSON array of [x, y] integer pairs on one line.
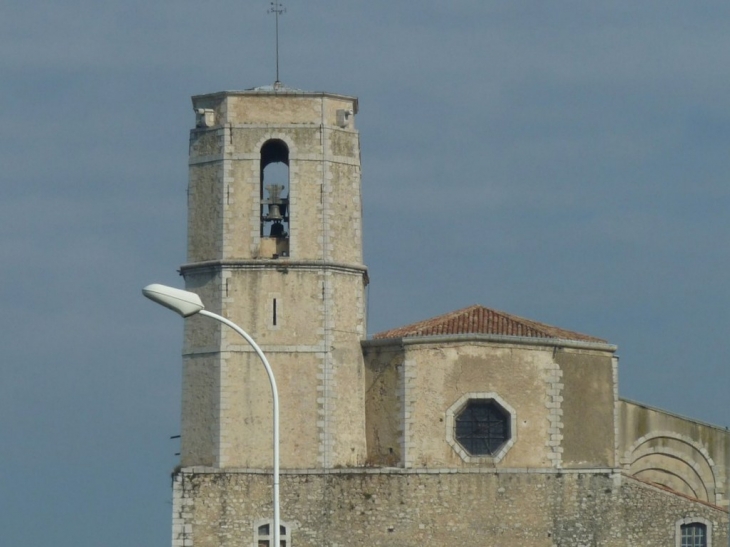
[[481, 320]]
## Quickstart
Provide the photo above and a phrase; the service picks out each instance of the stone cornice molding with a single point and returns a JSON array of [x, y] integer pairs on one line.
[[279, 264]]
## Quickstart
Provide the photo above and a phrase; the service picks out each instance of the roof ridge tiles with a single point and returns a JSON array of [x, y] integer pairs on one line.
[[477, 319]]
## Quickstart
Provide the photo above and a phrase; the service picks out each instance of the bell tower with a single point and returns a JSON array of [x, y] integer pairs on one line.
[[275, 244]]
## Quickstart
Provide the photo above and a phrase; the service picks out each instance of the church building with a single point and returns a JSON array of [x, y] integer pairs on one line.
[[476, 427]]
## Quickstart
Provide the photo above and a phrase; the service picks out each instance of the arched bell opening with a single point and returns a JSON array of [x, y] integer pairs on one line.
[[274, 192]]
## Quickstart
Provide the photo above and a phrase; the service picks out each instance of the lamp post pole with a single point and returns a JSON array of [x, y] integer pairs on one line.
[[186, 304]]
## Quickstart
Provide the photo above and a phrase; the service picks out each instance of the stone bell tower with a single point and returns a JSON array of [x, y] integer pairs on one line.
[[275, 245]]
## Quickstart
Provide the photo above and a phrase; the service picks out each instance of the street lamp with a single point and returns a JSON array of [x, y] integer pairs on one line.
[[186, 304]]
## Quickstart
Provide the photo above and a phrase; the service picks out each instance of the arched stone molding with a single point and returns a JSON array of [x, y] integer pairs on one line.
[[701, 484], [670, 479], [702, 468], [277, 135], [696, 458]]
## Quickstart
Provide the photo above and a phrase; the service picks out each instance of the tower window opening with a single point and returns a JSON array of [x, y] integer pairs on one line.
[[273, 318], [275, 190]]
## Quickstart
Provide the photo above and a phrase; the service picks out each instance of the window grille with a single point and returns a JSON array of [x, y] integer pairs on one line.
[[694, 534], [482, 427]]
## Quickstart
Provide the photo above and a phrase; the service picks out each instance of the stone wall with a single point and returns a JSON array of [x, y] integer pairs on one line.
[[434, 508], [685, 455], [562, 400], [305, 307]]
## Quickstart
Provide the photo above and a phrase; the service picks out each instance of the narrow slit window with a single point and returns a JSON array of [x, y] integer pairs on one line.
[[273, 318]]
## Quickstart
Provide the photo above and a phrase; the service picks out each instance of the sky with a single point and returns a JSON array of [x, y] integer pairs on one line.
[[563, 161]]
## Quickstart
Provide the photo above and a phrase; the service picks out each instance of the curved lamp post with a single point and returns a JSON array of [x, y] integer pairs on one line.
[[188, 303]]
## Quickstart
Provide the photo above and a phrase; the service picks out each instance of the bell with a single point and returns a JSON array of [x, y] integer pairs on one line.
[[277, 230], [275, 191], [274, 212]]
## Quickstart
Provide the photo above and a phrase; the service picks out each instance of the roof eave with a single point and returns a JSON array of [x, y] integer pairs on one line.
[[491, 338]]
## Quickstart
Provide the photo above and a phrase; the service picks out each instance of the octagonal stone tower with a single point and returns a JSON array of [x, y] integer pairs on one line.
[[274, 244]]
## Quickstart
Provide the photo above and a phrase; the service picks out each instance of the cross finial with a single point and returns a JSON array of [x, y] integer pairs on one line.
[[277, 9]]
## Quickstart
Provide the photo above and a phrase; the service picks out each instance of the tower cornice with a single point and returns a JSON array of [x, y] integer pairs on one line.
[[210, 266], [272, 92]]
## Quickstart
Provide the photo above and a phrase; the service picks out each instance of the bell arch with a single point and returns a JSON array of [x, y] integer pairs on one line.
[[274, 197]]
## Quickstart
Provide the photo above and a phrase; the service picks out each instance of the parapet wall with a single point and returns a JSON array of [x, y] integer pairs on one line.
[[434, 508], [682, 454]]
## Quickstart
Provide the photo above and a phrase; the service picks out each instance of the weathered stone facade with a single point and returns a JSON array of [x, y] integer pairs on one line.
[[422, 377], [437, 507], [378, 443], [685, 455], [286, 290]]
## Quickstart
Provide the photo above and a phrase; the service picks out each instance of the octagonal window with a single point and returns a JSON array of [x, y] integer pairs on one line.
[[482, 427]]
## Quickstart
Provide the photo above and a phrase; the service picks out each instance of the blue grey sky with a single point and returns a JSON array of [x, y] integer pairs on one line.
[[563, 161]]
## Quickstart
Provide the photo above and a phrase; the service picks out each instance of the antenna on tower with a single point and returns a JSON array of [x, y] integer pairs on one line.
[[277, 9]]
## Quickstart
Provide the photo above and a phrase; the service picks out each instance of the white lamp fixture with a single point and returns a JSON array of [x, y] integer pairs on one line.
[[188, 303], [183, 302]]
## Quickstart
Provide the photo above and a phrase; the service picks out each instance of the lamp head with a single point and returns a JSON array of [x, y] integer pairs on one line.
[[183, 302]]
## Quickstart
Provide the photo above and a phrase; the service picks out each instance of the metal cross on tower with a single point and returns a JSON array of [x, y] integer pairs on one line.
[[277, 9]]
